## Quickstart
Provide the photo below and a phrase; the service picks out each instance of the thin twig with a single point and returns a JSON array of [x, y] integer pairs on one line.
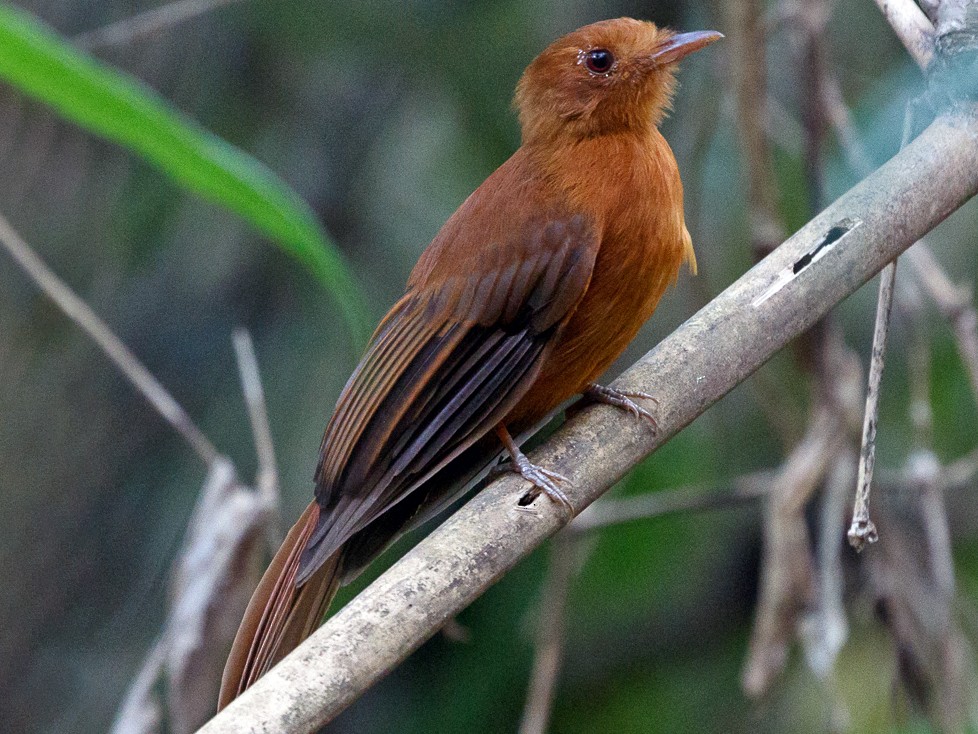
[[925, 470], [86, 319], [690, 370], [840, 118], [147, 23], [812, 18], [912, 27], [613, 511], [862, 530], [266, 480]]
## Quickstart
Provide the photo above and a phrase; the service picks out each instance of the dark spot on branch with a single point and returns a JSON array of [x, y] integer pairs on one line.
[[830, 238]]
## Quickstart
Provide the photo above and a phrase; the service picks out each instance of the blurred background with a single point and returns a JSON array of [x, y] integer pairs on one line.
[[384, 116]]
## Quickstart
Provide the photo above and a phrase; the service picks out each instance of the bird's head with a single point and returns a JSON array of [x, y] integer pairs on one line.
[[605, 77]]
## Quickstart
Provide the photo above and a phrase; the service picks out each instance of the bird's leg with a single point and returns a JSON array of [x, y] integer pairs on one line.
[[623, 400], [543, 479]]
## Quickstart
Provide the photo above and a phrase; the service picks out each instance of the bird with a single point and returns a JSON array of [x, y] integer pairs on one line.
[[524, 298]]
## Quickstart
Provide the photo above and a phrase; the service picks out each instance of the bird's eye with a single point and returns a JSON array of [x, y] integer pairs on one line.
[[599, 61]]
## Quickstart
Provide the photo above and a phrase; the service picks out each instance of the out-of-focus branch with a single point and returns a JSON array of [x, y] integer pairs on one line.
[[613, 511], [787, 581], [566, 556], [791, 599], [147, 23], [213, 577], [955, 304], [88, 321], [791, 289], [912, 27], [747, 38], [266, 479]]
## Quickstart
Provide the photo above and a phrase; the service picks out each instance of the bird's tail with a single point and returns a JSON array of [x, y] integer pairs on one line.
[[279, 615]]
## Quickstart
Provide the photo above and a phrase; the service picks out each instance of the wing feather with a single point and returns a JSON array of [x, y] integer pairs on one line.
[[450, 361]]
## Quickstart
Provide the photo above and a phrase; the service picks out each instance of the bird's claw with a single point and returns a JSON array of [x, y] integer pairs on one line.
[[543, 480], [624, 400]]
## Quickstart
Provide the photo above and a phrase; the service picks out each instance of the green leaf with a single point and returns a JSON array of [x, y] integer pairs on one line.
[[122, 109]]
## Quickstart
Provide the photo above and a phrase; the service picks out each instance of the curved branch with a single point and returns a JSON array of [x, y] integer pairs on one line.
[[719, 347]]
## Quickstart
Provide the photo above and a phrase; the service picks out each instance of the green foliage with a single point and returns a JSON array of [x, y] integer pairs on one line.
[[121, 109]]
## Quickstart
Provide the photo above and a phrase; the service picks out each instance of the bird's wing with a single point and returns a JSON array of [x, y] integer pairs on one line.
[[449, 361]]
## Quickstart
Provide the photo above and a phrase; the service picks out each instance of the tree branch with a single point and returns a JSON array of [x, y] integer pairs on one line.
[[829, 258], [912, 27]]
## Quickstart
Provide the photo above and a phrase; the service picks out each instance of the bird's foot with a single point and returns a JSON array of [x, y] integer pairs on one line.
[[623, 400], [543, 480]]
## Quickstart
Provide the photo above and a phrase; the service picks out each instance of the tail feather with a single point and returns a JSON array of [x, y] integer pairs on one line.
[[279, 615]]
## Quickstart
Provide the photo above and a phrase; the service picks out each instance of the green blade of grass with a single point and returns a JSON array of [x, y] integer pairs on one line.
[[122, 109]]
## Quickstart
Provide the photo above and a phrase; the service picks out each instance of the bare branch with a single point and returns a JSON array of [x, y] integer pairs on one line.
[[266, 480], [86, 319], [148, 23], [613, 511], [747, 37], [862, 530], [912, 27], [719, 347]]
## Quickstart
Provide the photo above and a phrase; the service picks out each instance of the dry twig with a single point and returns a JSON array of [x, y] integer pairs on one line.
[[862, 530]]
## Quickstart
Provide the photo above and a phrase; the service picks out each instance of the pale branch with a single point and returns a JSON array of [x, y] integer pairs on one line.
[[796, 285], [912, 27], [88, 321], [266, 480], [147, 23], [615, 511], [862, 530]]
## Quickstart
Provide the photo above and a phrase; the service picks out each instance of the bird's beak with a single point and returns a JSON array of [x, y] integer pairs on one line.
[[683, 44]]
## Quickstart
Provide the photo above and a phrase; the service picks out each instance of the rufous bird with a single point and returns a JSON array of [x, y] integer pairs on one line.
[[525, 297]]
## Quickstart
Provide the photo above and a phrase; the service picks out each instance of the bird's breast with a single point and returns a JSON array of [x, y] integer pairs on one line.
[[636, 195]]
